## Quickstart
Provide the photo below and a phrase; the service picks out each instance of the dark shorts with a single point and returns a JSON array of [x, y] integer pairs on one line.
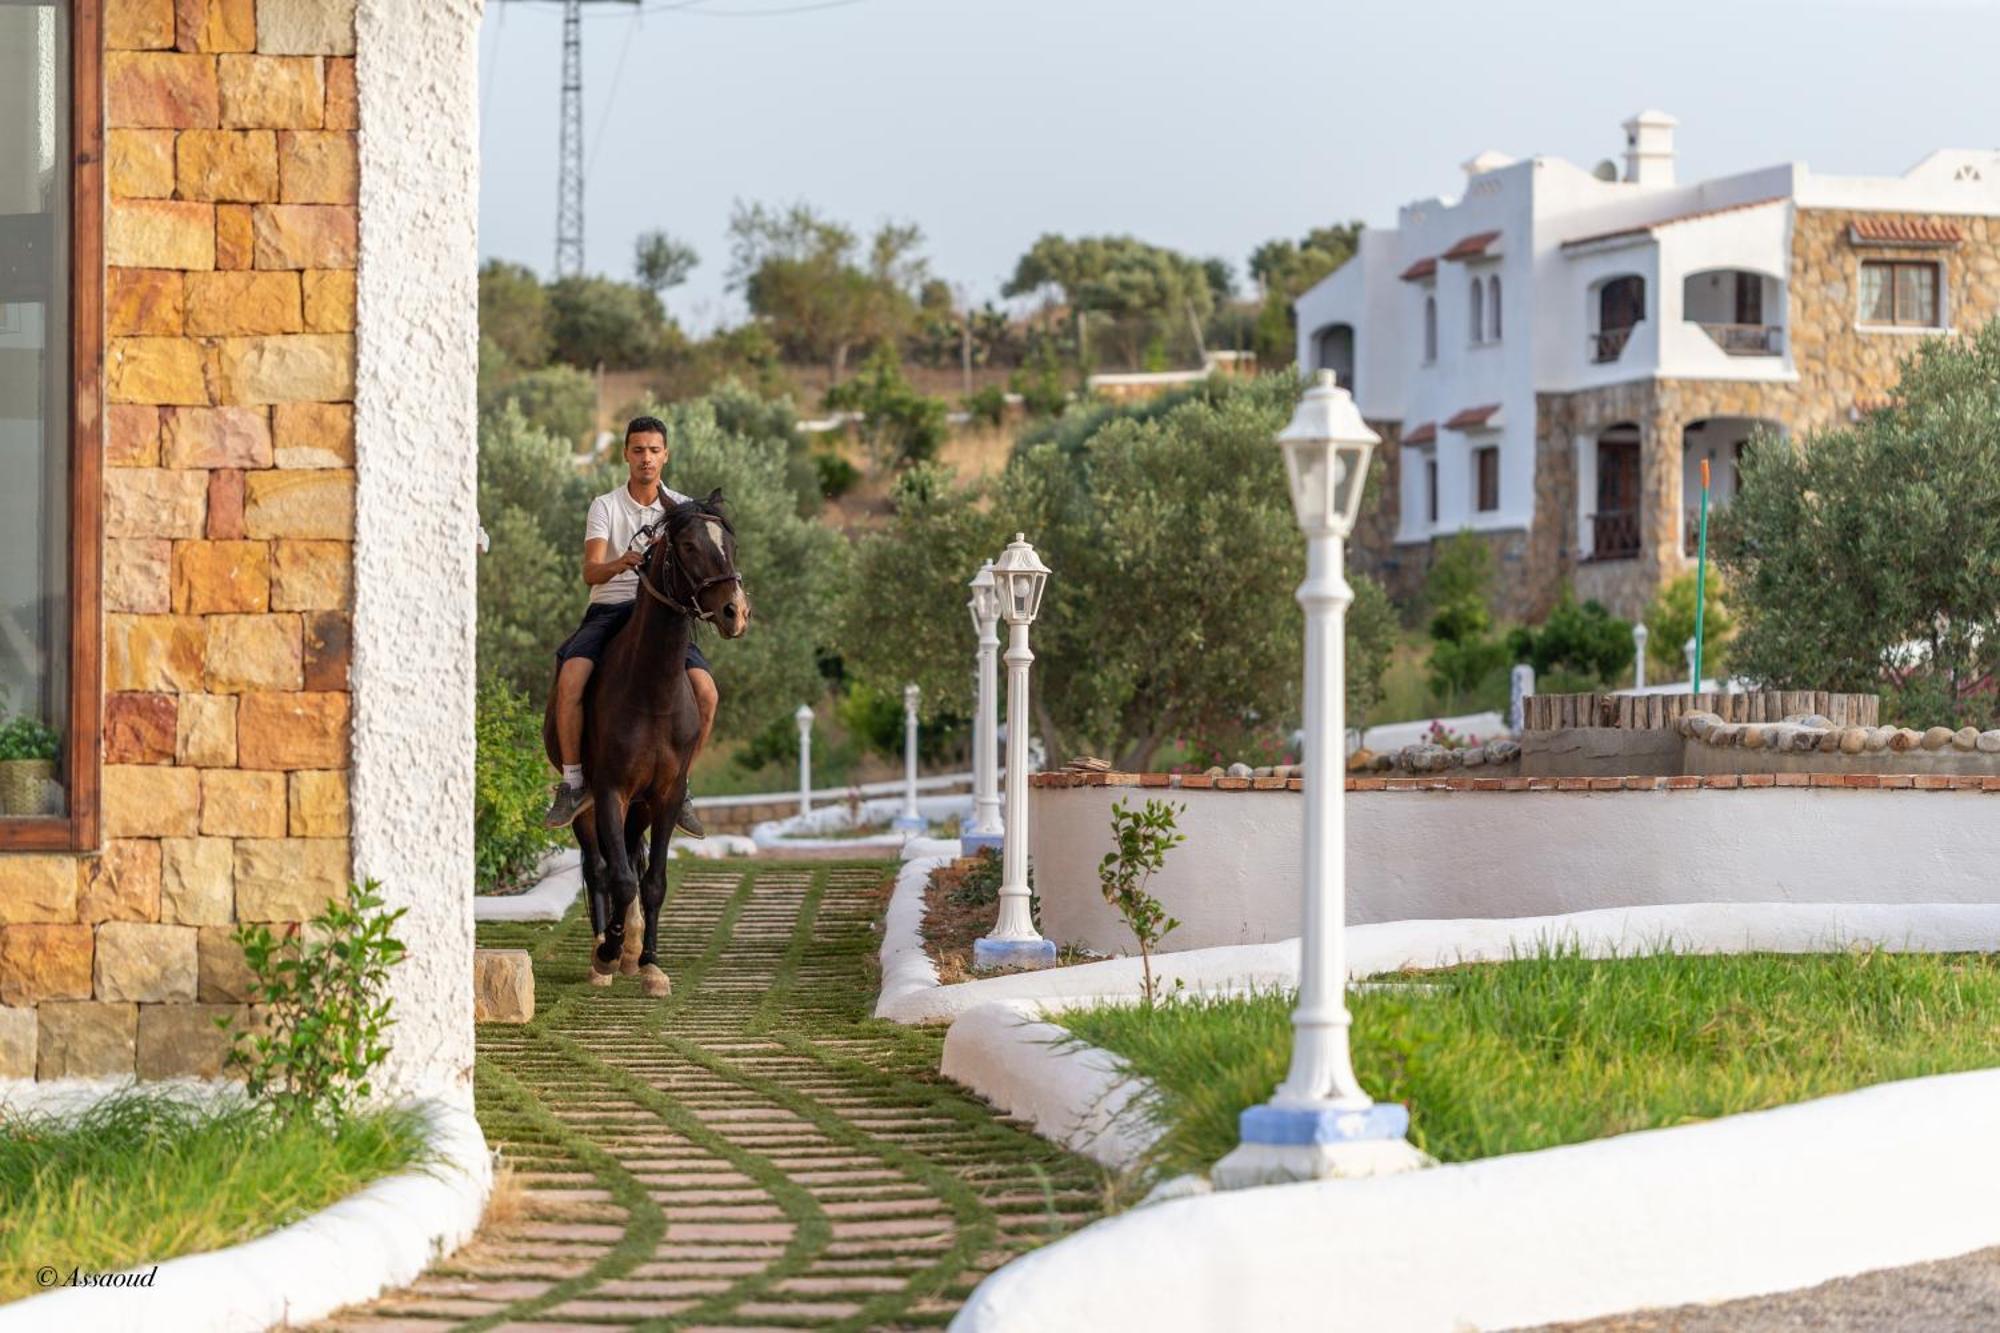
[[602, 621]]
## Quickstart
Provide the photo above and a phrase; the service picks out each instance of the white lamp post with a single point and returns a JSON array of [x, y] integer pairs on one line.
[[804, 717], [1019, 577], [1319, 1122], [984, 604], [910, 821], [1639, 656], [1687, 651]]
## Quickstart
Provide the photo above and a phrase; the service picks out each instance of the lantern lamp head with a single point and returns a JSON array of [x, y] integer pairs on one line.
[[912, 693], [804, 717], [985, 601], [1327, 447], [1020, 577]]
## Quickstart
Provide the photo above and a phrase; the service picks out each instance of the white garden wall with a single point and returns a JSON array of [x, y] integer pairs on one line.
[[1427, 854]]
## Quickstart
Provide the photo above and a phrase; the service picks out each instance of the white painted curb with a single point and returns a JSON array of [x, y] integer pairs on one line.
[[795, 832], [907, 970], [1072, 1093], [382, 1237], [1772, 1201], [561, 881]]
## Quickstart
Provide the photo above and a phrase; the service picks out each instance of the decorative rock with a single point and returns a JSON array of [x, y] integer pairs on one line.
[[206, 736], [139, 728], [17, 1043], [155, 502], [1473, 756], [160, 90], [1965, 738], [1502, 751], [150, 801], [343, 106], [182, 1040], [132, 435], [1877, 739], [319, 805], [197, 881], [1988, 742], [221, 577], [253, 652], [37, 887], [313, 503], [240, 166], [138, 961], [293, 730], [1754, 737], [218, 25], [304, 236], [1936, 738], [158, 653], [1384, 763], [1240, 770], [83, 1039], [137, 575], [1261, 771], [306, 27], [288, 879], [1904, 739], [244, 303], [314, 434], [503, 986], [123, 884], [1853, 740], [1725, 734], [315, 367], [318, 167], [143, 302], [44, 962], [242, 803], [1215, 771], [160, 233], [270, 92], [155, 370], [224, 974], [329, 301]]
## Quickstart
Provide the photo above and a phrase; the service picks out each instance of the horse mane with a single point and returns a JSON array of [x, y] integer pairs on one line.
[[679, 515]]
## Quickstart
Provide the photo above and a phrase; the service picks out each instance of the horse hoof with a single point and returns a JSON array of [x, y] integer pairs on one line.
[[655, 982], [628, 967], [599, 979]]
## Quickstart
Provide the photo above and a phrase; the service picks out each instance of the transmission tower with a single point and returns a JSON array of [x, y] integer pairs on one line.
[[569, 171], [569, 151]]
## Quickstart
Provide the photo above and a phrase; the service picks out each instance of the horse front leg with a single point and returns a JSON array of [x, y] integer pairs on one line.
[[621, 883], [636, 818], [653, 893]]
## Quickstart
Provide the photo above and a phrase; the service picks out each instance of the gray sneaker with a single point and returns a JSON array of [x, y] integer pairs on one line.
[[568, 803]]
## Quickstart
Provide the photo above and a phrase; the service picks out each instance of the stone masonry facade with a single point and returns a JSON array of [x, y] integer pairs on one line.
[[1842, 369], [230, 243]]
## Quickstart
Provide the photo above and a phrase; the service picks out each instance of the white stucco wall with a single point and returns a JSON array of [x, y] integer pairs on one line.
[[416, 517], [1428, 855]]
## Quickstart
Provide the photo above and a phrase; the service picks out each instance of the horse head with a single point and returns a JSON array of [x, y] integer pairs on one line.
[[694, 562]]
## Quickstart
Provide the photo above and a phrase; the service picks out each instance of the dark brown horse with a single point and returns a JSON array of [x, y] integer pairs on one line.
[[640, 727]]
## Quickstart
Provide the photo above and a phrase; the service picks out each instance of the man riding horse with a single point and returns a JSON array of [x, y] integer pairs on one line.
[[610, 559], [626, 737]]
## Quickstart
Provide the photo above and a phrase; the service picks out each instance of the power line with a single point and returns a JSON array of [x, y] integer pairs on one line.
[[611, 102]]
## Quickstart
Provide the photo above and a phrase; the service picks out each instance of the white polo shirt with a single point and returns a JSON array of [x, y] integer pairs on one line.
[[616, 518]]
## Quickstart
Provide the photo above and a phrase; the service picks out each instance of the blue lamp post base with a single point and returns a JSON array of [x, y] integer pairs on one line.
[[979, 842], [910, 824], [1281, 1144], [988, 954]]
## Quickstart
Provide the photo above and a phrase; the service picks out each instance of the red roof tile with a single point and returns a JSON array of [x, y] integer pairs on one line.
[[1423, 434], [1901, 231], [1423, 268], [1645, 227], [1471, 418], [1472, 247]]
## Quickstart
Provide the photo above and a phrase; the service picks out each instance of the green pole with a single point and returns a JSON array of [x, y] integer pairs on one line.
[[1700, 581]]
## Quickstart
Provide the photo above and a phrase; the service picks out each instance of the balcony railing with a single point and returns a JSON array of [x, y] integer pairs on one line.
[[1748, 339], [1614, 535], [1609, 344]]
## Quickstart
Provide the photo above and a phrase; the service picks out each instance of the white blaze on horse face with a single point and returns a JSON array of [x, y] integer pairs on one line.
[[731, 626]]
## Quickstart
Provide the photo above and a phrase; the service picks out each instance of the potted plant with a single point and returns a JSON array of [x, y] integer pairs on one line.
[[28, 750]]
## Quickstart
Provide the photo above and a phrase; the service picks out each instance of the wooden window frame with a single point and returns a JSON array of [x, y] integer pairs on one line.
[[1895, 321], [1485, 469], [78, 829], [1431, 489]]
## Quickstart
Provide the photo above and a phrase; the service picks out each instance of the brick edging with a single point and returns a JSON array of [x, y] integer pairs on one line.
[[1688, 782]]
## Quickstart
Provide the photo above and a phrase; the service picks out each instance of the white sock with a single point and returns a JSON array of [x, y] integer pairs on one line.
[[573, 776]]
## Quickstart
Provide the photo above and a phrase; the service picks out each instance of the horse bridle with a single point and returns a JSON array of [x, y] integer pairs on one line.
[[654, 533]]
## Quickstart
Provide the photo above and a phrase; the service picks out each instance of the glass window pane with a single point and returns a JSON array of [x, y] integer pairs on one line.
[[34, 400], [1876, 307], [1916, 294]]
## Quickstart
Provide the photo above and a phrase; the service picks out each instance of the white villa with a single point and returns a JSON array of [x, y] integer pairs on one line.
[[1551, 353]]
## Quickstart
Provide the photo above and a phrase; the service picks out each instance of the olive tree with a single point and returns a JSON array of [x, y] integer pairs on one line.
[[1869, 555]]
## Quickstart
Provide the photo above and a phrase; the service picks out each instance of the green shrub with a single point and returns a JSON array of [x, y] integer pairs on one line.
[[28, 738], [510, 786], [1579, 641], [899, 424], [1670, 624], [988, 405], [1140, 839], [837, 476], [325, 1010]]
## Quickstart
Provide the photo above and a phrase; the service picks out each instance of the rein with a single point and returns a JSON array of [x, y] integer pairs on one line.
[[692, 607]]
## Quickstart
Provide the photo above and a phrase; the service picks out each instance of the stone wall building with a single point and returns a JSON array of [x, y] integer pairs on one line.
[[236, 382], [1552, 354]]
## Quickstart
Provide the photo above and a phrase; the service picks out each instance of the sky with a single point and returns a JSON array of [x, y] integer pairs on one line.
[[1205, 125]]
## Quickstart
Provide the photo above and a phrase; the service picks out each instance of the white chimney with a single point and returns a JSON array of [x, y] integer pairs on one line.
[[1649, 148]]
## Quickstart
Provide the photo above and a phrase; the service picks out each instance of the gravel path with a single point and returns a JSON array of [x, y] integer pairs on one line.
[[752, 1152], [1950, 1295]]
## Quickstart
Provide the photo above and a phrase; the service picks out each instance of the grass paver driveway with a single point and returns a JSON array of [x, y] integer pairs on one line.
[[753, 1151]]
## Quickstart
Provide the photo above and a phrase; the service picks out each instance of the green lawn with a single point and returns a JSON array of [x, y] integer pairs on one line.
[[1509, 1057], [140, 1178]]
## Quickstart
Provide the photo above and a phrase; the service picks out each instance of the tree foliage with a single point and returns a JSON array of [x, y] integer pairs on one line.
[[1872, 552], [1581, 646], [1144, 292], [557, 399], [806, 277], [899, 425], [514, 313], [661, 261], [603, 322], [1670, 624], [1283, 270]]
